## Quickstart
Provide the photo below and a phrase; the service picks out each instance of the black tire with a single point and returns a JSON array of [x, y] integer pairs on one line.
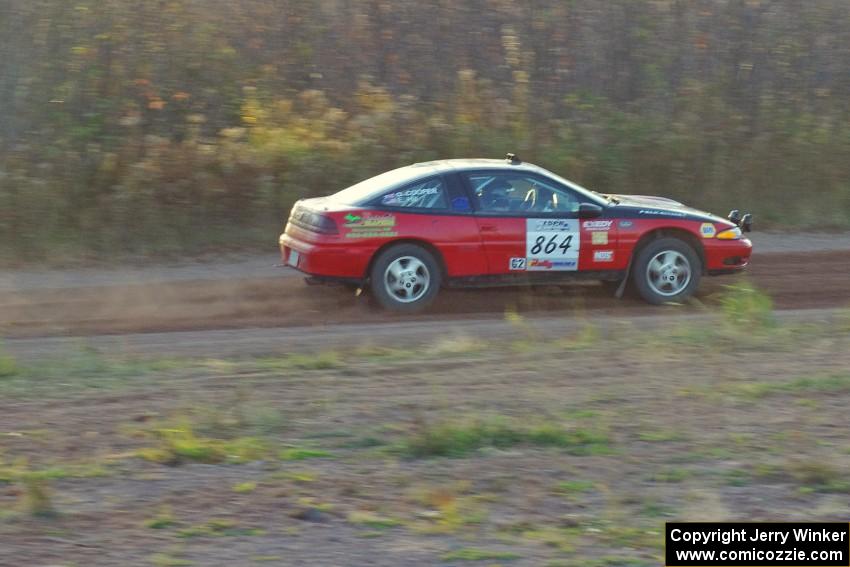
[[670, 285], [409, 294]]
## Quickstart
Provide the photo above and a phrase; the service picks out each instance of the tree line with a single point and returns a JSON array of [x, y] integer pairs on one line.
[[185, 126]]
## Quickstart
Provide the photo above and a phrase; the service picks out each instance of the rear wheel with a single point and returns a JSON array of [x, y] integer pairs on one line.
[[666, 270], [405, 278]]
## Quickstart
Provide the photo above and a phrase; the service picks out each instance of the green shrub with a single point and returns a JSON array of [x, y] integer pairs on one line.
[[36, 497], [8, 365], [746, 307], [473, 554], [180, 444], [458, 438]]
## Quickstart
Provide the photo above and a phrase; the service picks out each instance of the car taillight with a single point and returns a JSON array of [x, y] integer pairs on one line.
[[312, 221]]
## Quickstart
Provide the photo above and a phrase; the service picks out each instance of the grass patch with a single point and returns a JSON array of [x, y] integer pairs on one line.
[[818, 476], [737, 477], [457, 345], [574, 486], [167, 560], [660, 436], [218, 528], [36, 497], [475, 554], [652, 509], [560, 539], [834, 383], [587, 336], [239, 417], [366, 442], [244, 487], [8, 364], [372, 520], [450, 508], [301, 454], [165, 519], [83, 370], [457, 439], [372, 352], [300, 477], [671, 475], [179, 444], [325, 360], [619, 537], [745, 307], [19, 471]]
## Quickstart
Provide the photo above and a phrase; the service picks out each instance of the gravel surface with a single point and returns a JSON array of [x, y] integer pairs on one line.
[[282, 341]]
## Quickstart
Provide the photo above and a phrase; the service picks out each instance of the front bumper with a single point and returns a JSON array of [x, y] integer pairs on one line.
[[727, 256]]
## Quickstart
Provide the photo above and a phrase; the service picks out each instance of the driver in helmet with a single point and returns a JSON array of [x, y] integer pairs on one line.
[[494, 195]]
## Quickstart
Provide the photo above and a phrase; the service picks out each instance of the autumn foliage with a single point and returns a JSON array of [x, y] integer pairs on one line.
[[184, 126]]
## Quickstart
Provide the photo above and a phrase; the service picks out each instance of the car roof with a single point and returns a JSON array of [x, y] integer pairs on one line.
[[366, 189], [441, 165]]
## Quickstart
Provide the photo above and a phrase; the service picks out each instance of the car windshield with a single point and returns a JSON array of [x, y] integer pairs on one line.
[[368, 188], [573, 185]]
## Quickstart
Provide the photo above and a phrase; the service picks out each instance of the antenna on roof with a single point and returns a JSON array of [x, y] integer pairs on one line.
[[511, 158]]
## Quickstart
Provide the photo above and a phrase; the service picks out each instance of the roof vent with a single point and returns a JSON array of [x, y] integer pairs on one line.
[[511, 158]]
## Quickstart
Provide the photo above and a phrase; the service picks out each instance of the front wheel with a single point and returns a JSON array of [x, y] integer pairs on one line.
[[405, 278], [667, 270]]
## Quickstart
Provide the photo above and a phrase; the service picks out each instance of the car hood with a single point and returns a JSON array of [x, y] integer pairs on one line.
[[662, 206]]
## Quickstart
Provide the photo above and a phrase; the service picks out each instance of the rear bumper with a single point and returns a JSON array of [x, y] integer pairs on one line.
[[727, 256], [329, 261]]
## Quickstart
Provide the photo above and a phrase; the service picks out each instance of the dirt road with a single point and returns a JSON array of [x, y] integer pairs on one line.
[[799, 280], [232, 420]]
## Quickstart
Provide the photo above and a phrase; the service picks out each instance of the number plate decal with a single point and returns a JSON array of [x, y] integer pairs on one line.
[[552, 244]]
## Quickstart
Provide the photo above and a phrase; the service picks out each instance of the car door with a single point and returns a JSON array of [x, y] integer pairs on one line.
[[436, 210], [530, 223]]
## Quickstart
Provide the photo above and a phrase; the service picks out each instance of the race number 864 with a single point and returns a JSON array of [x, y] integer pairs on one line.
[[555, 242]]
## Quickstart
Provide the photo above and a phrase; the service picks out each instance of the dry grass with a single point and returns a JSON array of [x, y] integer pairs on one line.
[[556, 452]]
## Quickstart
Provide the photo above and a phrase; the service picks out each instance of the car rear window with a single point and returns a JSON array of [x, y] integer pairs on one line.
[[367, 189], [426, 194]]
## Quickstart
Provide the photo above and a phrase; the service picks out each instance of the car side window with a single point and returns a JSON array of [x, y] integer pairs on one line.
[[426, 194], [519, 194]]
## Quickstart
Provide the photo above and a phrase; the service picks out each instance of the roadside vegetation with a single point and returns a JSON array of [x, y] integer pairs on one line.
[[556, 450], [187, 127]]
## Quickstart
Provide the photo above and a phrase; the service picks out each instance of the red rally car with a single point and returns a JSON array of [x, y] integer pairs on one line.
[[476, 222]]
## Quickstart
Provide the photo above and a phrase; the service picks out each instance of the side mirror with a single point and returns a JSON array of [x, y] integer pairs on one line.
[[747, 222], [735, 216], [589, 211]]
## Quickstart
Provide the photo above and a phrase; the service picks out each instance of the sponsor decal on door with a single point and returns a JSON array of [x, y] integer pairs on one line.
[[603, 255], [552, 244], [597, 224]]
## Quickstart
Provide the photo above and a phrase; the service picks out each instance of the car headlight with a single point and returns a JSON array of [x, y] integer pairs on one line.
[[733, 233]]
